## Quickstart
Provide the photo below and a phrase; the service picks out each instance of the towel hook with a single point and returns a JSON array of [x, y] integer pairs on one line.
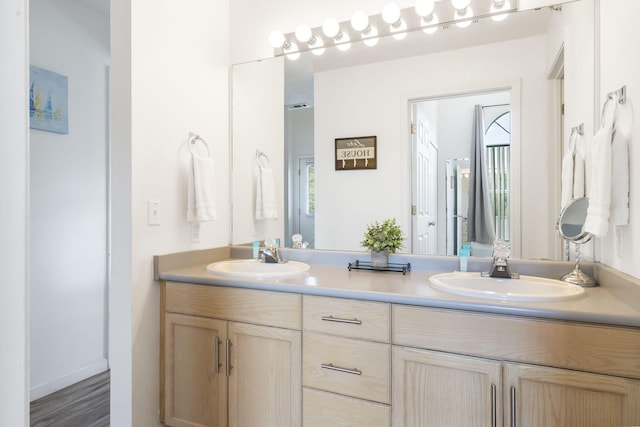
[[193, 138]]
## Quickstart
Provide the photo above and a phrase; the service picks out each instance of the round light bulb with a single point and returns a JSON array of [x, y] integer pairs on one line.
[[432, 23], [359, 21], [468, 14], [343, 44], [331, 28], [496, 7], [291, 52], [399, 31], [371, 38], [391, 13], [276, 39], [318, 47], [460, 4], [303, 33], [425, 7]]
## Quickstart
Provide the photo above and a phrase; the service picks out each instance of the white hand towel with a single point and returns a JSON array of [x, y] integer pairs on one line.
[[597, 222], [201, 194], [266, 205], [567, 178], [579, 160], [619, 179]]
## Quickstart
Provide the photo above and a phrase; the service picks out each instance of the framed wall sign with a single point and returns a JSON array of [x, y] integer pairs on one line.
[[356, 153], [48, 101]]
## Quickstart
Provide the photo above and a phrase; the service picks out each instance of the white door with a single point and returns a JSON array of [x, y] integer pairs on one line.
[[424, 187]]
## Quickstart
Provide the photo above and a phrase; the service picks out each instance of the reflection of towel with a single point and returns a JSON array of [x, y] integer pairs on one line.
[[266, 206], [573, 172], [619, 179], [201, 196], [597, 222]]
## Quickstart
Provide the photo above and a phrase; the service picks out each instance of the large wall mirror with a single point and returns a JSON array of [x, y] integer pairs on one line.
[[418, 96]]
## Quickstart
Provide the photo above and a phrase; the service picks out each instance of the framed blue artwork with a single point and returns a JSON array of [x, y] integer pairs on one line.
[[48, 101]]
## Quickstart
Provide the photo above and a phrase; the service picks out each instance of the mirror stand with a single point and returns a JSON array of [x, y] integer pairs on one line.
[[577, 276]]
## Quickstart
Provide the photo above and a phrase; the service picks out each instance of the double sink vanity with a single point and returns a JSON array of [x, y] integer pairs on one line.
[[311, 343]]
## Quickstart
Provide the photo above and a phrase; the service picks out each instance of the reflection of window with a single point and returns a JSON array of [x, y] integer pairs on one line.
[[310, 199], [497, 141]]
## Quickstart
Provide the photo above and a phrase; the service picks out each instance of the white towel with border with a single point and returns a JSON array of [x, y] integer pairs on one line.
[[619, 179], [573, 170], [597, 222], [266, 204], [201, 192]]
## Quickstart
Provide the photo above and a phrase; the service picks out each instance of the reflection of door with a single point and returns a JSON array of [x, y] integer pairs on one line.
[[306, 200], [424, 188]]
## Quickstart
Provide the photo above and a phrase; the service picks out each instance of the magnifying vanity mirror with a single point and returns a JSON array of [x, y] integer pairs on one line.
[[571, 228]]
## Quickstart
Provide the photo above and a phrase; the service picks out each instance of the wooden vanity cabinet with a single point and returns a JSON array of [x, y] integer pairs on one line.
[[454, 368], [346, 362], [230, 357]]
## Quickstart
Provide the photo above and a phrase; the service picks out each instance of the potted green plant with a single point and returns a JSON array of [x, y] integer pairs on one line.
[[382, 239]]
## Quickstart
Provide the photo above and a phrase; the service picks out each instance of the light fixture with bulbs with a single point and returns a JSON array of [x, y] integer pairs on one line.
[[426, 15]]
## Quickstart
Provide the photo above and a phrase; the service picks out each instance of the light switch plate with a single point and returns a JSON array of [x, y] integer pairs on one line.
[[153, 212]]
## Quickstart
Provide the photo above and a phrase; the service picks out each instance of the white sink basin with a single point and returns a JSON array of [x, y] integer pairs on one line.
[[255, 269], [526, 288]]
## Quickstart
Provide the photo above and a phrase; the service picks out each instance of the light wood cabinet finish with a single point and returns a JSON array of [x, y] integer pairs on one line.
[[279, 309], [445, 390], [561, 398], [372, 360], [265, 381], [195, 389], [364, 320], [261, 388], [322, 409], [602, 349]]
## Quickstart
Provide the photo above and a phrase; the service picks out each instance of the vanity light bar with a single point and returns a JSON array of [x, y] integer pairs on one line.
[[445, 13]]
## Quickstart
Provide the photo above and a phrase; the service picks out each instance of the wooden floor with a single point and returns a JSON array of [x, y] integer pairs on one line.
[[85, 404]]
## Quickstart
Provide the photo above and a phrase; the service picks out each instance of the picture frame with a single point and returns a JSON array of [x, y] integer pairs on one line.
[[356, 153], [48, 101]]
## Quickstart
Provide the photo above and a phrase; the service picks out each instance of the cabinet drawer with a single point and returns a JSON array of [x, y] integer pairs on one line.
[[342, 365], [322, 409], [259, 307], [346, 317]]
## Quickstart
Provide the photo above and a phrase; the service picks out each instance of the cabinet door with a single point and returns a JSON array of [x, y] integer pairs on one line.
[[551, 397], [437, 389], [195, 389], [265, 378]]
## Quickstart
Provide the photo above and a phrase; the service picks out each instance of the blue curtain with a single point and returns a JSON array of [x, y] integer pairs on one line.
[[480, 214]]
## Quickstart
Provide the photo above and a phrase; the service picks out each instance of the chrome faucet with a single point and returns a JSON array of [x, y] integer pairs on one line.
[[500, 264], [270, 253]]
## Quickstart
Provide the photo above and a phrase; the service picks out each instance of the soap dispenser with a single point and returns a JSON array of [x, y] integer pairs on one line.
[[464, 253]]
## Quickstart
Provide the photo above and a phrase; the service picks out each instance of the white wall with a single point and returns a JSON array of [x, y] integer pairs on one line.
[[14, 291], [620, 65], [68, 202], [170, 77], [258, 124], [518, 64]]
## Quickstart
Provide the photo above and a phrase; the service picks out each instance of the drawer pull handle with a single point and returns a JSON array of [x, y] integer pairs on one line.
[[339, 320], [228, 356], [337, 368]]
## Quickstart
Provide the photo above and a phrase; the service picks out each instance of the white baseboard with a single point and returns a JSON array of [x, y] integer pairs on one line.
[[45, 389]]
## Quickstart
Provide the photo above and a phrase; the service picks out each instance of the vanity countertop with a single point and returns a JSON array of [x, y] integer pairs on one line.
[[612, 304]]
